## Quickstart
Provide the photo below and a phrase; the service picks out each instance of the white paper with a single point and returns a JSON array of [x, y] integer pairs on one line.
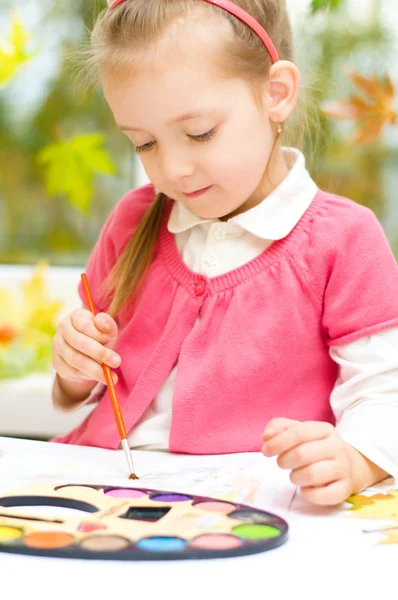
[[247, 478]]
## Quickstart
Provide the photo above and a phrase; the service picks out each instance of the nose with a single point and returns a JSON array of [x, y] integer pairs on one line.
[[176, 164]]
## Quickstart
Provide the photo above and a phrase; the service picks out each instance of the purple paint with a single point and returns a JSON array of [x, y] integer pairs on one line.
[[171, 498]]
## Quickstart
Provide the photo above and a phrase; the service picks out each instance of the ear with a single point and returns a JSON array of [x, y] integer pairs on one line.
[[282, 90]]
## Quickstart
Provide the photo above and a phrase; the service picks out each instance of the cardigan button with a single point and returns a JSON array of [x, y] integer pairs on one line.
[[200, 287]]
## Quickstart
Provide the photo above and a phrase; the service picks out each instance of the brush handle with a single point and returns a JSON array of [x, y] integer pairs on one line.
[[107, 371]]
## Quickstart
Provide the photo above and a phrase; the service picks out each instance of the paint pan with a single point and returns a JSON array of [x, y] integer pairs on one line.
[[116, 523]]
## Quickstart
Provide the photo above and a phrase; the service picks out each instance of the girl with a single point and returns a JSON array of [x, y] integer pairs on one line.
[[242, 308]]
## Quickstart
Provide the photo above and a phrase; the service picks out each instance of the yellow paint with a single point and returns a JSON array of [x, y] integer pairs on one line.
[[9, 533]]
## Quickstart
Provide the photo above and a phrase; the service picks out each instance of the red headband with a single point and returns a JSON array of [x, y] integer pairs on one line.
[[243, 16]]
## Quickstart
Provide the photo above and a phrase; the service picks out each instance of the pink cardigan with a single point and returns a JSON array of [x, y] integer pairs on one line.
[[260, 347]]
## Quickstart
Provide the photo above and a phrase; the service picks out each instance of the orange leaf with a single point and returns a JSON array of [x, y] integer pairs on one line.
[[383, 497], [351, 108], [372, 112], [7, 334], [369, 131], [381, 91]]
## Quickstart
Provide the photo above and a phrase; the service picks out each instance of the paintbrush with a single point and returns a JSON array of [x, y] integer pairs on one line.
[[112, 391]]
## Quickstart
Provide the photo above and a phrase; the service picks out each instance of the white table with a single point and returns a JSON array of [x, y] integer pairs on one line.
[[327, 555]]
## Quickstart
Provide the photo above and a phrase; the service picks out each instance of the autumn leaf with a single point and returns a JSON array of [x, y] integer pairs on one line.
[[71, 165], [10, 314], [359, 501], [391, 537], [40, 310], [380, 507], [13, 52], [317, 5], [7, 334], [372, 111], [27, 326]]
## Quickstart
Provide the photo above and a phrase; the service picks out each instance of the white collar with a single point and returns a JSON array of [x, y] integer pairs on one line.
[[272, 219]]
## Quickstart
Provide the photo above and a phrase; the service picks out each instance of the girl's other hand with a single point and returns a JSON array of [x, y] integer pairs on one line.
[[319, 459]]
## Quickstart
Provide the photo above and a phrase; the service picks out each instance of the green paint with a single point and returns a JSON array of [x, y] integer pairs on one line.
[[256, 532]]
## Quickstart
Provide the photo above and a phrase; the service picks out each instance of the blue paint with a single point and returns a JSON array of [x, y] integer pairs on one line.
[[161, 544]]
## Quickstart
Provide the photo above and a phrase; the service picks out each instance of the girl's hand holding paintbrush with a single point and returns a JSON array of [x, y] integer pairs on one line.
[[82, 343], [80, 352]]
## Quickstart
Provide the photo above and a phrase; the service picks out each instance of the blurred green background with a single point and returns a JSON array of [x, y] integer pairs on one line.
[[63, 163]]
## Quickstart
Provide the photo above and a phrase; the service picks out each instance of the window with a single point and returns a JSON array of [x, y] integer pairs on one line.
[[49, 208]]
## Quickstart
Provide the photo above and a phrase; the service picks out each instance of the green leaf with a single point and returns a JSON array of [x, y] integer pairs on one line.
[[70, 167], [89, 149], [13, 52], [317, 5]]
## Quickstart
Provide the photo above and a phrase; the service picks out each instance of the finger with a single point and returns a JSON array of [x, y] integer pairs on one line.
[[329, 495], [299, 433], [88, 367], [106, 324], [88, 346], [65, 370], [82, 320], [308, 453], [318, 474], [276, 426]]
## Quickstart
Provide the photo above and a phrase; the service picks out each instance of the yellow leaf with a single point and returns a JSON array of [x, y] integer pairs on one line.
[[380, 507], [40, 311], [34, 290], [36, 311], [391, 537], [10, 311], [13, 52], [359, 501], [35, 338], [19, 35]]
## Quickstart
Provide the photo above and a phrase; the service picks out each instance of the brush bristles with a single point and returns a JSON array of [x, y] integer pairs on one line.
[[133, 476]]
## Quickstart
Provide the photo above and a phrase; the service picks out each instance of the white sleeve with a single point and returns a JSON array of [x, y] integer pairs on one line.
[[365, 397]]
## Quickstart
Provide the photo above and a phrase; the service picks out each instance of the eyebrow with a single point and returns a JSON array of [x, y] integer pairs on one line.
[[174, 120]]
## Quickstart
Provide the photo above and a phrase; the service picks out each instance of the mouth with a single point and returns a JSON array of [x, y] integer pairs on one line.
[[197, 193]]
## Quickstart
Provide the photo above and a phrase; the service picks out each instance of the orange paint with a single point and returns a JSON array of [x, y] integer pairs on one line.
[[48, 539]]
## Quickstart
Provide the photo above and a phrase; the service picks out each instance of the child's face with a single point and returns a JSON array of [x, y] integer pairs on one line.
[[196, 132]]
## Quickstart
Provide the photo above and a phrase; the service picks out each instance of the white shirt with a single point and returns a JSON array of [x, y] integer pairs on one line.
[[365, 397]]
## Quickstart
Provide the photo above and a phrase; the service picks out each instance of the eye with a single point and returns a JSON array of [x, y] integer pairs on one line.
[[144, 147], [204, 137]]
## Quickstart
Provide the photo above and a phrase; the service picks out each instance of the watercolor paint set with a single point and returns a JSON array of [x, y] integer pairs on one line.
[[117, 523]]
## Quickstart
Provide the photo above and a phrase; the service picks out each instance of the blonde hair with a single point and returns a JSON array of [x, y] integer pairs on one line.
[[126, 39]]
